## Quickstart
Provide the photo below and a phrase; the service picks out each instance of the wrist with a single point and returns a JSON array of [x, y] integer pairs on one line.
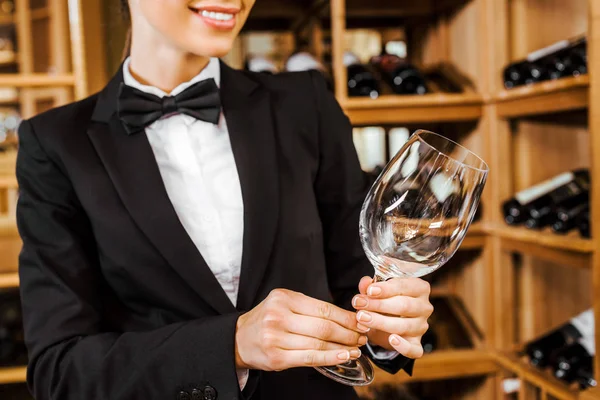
[[239, 361]]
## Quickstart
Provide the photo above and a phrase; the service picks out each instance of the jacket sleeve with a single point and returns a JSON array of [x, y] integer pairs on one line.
[[341, 187], [71, 355]]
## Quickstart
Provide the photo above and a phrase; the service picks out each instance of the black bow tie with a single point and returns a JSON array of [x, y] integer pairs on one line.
[[138, 109]]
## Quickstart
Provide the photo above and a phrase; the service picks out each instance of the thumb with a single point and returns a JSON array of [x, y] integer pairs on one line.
[[364, 284]]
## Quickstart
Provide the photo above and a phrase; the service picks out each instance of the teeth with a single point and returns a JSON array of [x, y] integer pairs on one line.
[[217, 15]]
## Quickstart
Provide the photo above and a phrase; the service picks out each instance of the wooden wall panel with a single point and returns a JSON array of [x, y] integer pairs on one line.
[[543, 149], [465, 41], [549, 295]]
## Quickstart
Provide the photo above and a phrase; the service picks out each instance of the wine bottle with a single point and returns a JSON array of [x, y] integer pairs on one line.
[[566, 196], [516, 210], [523, 73], [583, 224], [513, 75], [361, 82], [397, 138], [568, 59], [560, 59], [577, 58], [541, 352], [585, 376], [573, 359], [401, 76], [566, 218]]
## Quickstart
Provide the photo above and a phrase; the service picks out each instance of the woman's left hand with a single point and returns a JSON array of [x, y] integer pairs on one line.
[[396, 311]]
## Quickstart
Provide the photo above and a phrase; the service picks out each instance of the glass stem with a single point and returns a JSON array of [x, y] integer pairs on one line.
[[378, 278]]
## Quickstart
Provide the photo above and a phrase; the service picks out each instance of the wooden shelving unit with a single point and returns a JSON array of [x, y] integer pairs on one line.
[[571, 242], [414, 109], [446, 364], [9, 280], [544, 98], [550, 386], [12, 375], [53, 43]]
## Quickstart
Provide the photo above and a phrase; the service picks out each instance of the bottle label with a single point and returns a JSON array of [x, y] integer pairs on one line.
[[511, 385], [584, 323], [528, 195], [553, 48], [588, 344], [371, 148]]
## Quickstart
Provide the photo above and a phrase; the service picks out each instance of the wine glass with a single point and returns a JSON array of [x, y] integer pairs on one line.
[[415, 217]]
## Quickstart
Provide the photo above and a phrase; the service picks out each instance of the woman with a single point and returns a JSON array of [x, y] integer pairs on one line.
[[201, 244]]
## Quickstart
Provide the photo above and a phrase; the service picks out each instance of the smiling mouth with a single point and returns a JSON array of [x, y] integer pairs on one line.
[[214, 15]]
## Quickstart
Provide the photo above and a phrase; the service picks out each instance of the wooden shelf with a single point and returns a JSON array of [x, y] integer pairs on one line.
[[571, 242], [549, 97], [36, 80], [8, 181], [551, 386], [590, 394], [8, 227], [9, 280], [444, 364], [13, 375], [6, 19], [414, 109]]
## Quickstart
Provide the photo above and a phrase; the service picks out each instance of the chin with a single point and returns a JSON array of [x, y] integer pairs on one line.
[[214, 48]]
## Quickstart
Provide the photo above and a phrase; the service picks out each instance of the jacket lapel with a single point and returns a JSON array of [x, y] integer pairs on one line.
[[130, 163], [247, 108]]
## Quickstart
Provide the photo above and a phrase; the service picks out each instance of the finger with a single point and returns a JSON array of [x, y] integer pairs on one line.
[[324, 330], [401, 306], [411, 287], [410, 349], [307, 306], [292, 341], [364, 284], [400, 326], [315, 358]]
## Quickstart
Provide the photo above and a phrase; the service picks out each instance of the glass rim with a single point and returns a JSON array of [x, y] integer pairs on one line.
[[419, 133]]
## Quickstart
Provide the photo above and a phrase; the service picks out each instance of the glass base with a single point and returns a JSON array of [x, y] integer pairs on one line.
[[357, 372]]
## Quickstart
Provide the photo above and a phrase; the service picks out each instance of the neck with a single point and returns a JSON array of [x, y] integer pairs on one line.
[[169, 67]]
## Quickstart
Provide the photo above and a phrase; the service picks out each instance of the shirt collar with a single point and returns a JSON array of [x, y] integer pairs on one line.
[[212, 70]]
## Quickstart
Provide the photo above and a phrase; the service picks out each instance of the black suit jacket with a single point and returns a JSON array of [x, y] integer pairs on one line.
[[118, 302]]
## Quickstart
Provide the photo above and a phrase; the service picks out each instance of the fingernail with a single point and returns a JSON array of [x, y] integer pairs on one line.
[[363, 328], [364, 316], [344, 355], [359, 302], [374, 291], [355, 353], [394, 340], [362, 340]]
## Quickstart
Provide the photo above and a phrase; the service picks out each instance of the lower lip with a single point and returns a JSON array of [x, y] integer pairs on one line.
[[221, 25]]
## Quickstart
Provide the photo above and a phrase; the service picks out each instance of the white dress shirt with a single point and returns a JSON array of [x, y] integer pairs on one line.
[[198, 169]]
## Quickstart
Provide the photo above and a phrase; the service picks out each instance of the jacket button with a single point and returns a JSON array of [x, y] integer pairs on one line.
[[197, 395], [183, 396], [210, 393]]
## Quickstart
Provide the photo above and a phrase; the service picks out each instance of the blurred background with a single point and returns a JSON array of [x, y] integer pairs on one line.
[[514, 309]]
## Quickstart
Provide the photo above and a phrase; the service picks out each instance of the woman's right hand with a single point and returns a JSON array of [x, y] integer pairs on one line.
[[289, 329]]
